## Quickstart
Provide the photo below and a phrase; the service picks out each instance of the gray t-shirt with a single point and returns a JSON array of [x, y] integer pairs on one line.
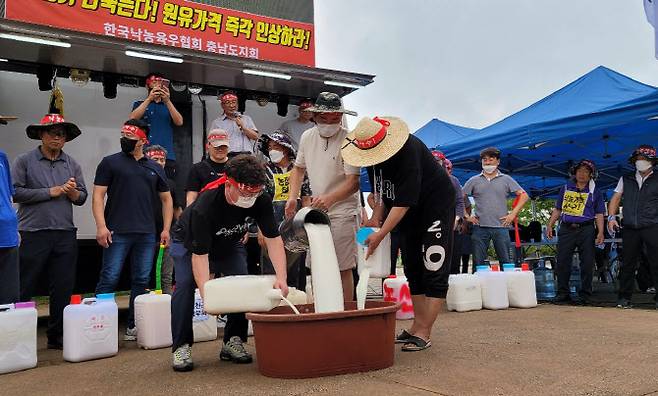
[[491, 197]]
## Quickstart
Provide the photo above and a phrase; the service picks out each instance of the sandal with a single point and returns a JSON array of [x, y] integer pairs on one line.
[[414, 344], [403, 337]]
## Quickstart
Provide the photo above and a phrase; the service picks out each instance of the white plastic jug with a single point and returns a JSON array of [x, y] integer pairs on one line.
[[296, 297], [18, 337], [241, 293], [396, 288], [327, 286], [464, 293], [494, 289], [91, 328], [204, 325], [379, 263], [521, 290], [153, 320]]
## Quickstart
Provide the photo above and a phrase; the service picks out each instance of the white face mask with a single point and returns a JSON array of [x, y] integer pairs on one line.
[[328, 130], [244, 202], [276, 156], [643, 165], [489, 168]]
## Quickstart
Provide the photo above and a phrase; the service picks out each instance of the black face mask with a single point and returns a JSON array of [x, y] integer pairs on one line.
[[128, 145]]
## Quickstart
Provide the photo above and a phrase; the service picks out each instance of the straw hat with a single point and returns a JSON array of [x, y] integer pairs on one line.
[[374, 140]]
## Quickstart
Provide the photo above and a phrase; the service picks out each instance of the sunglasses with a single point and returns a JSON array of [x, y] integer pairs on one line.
[[246, 190]]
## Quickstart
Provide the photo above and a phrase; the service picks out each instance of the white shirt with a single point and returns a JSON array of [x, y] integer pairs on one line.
[[326, 169], [237, 140], [638, 177]]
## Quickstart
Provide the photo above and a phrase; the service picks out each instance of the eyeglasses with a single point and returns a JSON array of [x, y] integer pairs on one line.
[[246, 190]]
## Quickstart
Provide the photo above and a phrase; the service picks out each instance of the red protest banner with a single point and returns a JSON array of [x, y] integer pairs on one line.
[[176, 23]]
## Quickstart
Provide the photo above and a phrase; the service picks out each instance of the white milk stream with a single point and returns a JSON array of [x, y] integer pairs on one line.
[[325, 275]]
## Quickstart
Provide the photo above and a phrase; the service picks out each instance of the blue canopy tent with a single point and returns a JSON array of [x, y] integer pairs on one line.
[[602, 116], [438, 133]]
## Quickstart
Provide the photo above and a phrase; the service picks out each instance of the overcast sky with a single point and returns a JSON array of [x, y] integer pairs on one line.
[[473, 62]]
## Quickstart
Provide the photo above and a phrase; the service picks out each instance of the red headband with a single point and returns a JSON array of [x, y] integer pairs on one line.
[[135, 131], [376, 138], [228, 96], [52, 119], [151, 79], [250, 189], [156, 153]]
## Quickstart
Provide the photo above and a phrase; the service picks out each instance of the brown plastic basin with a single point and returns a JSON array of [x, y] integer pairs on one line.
[[315, 345]]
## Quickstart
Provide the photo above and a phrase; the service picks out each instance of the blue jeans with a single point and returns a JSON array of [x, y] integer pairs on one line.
[[501, 240], [232, 262], [140, 247]]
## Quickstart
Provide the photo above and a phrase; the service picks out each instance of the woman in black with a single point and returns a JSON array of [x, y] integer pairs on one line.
[[213, 226], [420, 197]]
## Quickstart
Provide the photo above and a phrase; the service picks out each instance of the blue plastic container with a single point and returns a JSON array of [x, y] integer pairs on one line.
[[544, 282], [574, 281], [508, 267]]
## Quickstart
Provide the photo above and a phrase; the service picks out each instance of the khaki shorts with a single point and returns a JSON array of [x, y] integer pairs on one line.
[[343, 232]]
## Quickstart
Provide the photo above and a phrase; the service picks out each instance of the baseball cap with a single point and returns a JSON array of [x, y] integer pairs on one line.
[[218, 137]]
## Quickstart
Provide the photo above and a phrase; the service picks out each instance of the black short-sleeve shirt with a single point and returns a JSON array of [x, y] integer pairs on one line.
[[412, 178], [211, 224], [202, 173], [132, 187]]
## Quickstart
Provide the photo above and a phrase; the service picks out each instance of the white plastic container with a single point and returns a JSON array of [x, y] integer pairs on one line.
[[379, 263], [494, 289], [18, 337], [464, 293], [396, 288], [204, 325], [91, 328], [241, 293], [153, 320], [296, 297], [521, 290]]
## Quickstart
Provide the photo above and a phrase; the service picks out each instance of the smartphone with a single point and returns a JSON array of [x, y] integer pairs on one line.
[[164, 82]]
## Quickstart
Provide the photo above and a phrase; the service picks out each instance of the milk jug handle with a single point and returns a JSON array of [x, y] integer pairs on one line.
[[6, 307], [274, 294], [88, 300]]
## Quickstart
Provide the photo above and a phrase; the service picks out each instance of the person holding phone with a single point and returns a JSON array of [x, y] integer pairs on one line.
[[161, 115]]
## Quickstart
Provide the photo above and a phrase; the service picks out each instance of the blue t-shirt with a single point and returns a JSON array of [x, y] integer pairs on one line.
[[161, 128], [132, 187], [8, 220]]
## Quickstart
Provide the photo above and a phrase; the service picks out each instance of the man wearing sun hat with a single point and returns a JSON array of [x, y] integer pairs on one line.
[[241, 130], [420, 198], [48, 182], [125, 224], [304, 121], [334, 183], [639, 191]]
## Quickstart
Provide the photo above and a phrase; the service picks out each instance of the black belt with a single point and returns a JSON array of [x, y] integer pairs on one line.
[[578, 225]]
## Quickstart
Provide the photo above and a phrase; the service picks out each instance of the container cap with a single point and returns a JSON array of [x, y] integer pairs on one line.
[[525, 267], [76, 299], [362, 234], [392, 276], [27, 304], [105, 296], [483, 268], [157, 292]]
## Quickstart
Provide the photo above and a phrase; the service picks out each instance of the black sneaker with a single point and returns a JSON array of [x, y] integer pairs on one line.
[[623, 303], [234, 351]]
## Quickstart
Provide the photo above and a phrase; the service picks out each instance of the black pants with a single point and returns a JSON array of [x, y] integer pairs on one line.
[[232, 262], [395, 249], [466, 258], [632, 240], [57, 253], [455, 258], [568, 240], [9, 279]]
